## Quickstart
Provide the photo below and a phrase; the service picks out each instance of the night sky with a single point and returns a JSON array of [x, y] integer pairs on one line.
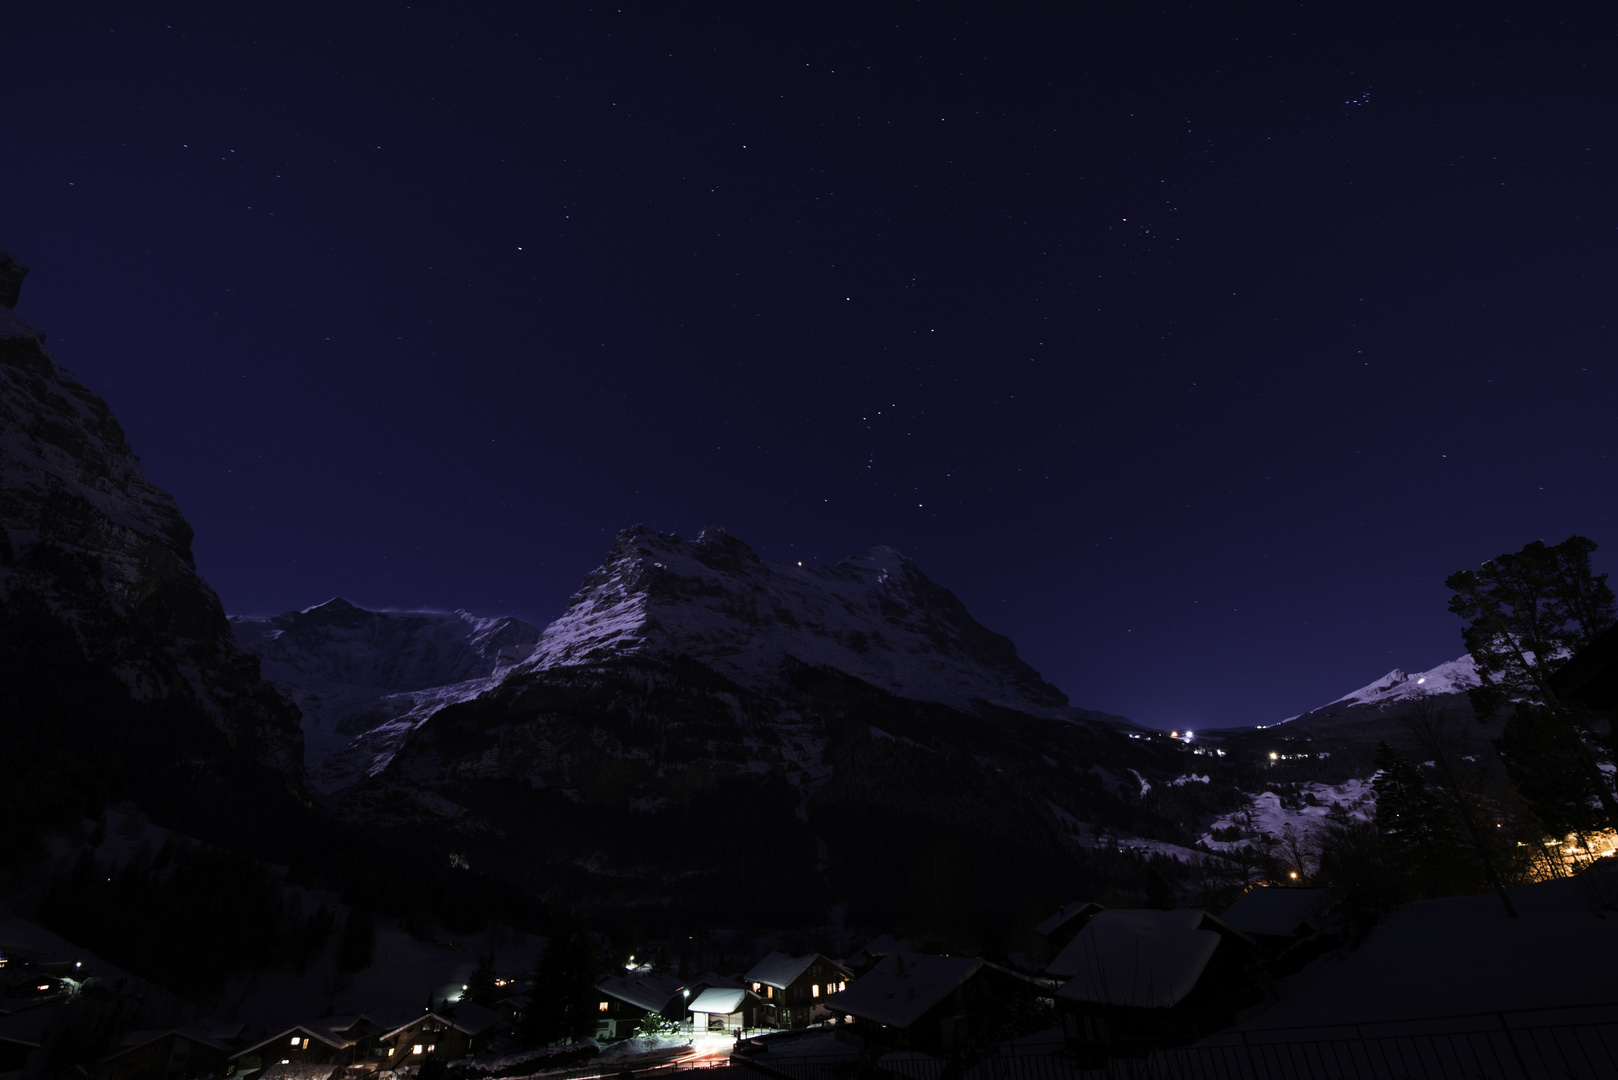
[[1192, 348]]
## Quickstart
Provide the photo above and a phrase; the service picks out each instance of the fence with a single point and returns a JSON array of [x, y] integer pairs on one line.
[[1537, 1044]]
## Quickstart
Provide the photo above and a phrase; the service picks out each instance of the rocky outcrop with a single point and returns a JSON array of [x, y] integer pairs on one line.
[[362, 677], [88, 541], [874, 616]]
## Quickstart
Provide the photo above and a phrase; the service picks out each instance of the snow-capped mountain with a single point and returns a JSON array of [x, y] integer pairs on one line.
[[1451, 677], [705, 727], [89, 543], [874, 616], [363, 678]]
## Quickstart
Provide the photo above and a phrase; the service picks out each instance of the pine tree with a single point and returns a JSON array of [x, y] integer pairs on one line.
[[1526, 612], [480, 988], [1418, 840], [1547, 766], [564, 998]]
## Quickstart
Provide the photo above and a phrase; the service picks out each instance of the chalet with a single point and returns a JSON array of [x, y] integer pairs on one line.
[[627, 999], [331, 1040], [1064, 924], [719, 1003], [446, 1033], [915, 1001], [202, 1049], [22, 1033], [1289, 925], [794, 989], [1132, 975], [875, 951]]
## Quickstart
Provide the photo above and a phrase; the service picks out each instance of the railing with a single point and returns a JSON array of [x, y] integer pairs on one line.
[[1578, 1043]]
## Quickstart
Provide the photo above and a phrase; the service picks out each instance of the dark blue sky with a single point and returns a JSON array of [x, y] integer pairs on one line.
[[1191, 348]]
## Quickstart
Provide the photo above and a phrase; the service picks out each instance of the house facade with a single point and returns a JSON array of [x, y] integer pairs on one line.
[[338, 1040], [625, 1000], [923, 1002], [1134, 975], [444, 1034], [793, 990]]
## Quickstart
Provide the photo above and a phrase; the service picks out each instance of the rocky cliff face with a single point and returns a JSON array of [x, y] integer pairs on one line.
[[363, 678], [87, 541], [874, 616], [705, 729]]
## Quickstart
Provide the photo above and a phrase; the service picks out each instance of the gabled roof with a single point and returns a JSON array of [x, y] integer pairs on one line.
[[718, 999], [1143, 958], [1077, 909], [315, 1029], [649, 991], [1280, 912], [903, 986], [779, 969], [199, 1033], [26, 1028], [467, 1017]]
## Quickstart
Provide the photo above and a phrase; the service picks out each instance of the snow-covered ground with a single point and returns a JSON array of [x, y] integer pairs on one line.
[[1266, 813], [1462, 954]]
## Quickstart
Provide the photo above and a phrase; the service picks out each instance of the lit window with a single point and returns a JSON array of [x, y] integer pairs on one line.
[[769, 991], [431, 1047], [814, 991], [755, 988], [295, 1040], [842, 986], [416, 1049], [390, 1051], [603, 1006]]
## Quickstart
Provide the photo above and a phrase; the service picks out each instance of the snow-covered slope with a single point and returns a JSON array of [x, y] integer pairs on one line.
[[1451, 677], [875, 616], [363, 678]]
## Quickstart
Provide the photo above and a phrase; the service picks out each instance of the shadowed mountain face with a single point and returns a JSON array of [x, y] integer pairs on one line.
[[875, 616], [725, 738], [362, 678], [96, 577]]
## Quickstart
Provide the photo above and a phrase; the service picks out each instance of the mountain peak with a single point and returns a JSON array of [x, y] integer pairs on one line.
[[875, 616]]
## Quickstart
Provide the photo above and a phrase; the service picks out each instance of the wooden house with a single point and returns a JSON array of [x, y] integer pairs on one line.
[[1064, 924], [22, 1033], [719, 1003], [1132, 976], [627, 999], [331, 1040], [920, 1002], [199, 1050], [794, 989], [446, 1033], [1290, 925]]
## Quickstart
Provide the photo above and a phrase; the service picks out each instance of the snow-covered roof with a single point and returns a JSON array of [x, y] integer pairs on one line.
[[1277, 911], [1148, 959], [649, 991], [718, 999], [1068, 911], [903, 986], [713, 978], [314, 1030], [467, 1017], [779, 969]]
